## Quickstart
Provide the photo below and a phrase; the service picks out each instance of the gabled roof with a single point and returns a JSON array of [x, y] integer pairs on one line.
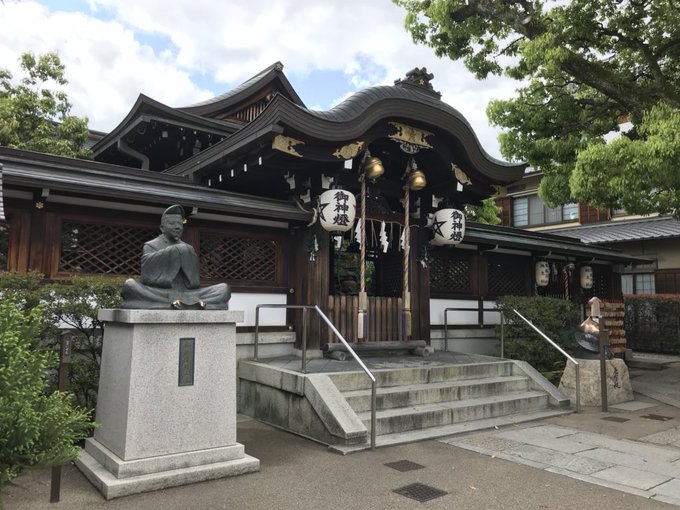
[[657, 227], [103, 180], [350, 120], [146, 108], [272, 75], [547, 243]]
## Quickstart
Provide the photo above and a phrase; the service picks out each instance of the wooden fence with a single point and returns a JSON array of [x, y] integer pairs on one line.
[[384, 317]]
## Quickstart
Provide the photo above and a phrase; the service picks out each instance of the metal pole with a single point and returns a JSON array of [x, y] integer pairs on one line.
[[502, 335], [257, 332], [304, 340], [373, 398], [578, 388], [64, 360], [603, 365], [446, 331]]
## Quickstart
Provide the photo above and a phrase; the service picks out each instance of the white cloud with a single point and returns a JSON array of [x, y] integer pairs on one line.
[[108, 63]]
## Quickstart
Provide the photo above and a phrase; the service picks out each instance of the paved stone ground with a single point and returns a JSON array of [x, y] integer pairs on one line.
[[583, 460], [299, 474], [646, 470], [634, 448]]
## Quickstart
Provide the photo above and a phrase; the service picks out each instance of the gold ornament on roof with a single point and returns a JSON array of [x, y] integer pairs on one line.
[[410, 134], [460, 175], [349, 151], [499, 191], [286, 144]]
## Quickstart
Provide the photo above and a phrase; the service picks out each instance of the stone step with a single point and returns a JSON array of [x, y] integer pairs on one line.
[[451, 430], [430, 393], [347, 381], [390, 421]]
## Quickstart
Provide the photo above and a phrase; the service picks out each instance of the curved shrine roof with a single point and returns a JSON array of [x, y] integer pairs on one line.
[[351, 119]]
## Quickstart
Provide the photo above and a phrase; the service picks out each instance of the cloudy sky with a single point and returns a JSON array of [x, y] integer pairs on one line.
[[180, 52]]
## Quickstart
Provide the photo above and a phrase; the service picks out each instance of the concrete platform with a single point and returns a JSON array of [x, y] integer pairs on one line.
[[416, 397]]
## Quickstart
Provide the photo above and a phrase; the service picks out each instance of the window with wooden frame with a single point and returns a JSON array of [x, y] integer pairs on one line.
[[531, 211], [640, 283], [667, 281]]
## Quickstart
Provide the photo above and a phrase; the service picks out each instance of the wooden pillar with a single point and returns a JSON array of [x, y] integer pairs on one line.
[[420, 287], [309, 282], [19, 240], [44, 243]]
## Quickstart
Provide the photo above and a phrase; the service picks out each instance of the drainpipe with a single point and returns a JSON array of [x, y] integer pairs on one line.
[[126, 149]]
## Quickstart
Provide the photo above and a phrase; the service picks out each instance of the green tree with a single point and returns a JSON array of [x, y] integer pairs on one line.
[[584, 65], [75, 303], [36, 429], [487, 213], [34, 116]]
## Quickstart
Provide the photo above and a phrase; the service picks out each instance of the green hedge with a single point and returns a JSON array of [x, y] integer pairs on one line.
[[37, 428], [68, 307], [653, 323], [557, 318]]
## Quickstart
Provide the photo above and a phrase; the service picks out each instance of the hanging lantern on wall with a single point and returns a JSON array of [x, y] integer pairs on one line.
[[448, 226], [337, 210], [542, 273], [586, 277]]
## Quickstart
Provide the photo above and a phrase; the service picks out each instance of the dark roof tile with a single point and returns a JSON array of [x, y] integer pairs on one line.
[[656, 227]]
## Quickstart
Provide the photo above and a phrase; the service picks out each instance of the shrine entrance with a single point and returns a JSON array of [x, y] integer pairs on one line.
[[383, 282]]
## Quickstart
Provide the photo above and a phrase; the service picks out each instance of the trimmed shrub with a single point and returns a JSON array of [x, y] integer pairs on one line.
[[73, 304], [36, 428], [653, 323], [556, 318], [68, 307]]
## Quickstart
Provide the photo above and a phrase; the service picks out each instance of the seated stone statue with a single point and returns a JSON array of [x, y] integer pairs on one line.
[[170, 276]]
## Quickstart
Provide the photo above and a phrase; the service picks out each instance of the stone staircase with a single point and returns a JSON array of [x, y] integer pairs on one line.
[[425, 402]]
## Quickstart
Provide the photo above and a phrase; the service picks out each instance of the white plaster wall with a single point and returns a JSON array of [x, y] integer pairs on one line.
[[458, 318], [268, 316]]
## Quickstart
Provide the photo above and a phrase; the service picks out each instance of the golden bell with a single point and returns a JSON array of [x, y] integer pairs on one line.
[[416, 180], [373, 168]]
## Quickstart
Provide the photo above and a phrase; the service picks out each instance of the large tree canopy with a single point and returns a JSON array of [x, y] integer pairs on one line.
[[35, 117], [584, 66]]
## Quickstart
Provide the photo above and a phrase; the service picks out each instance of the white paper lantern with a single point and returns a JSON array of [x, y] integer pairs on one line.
[[337, 210], [542, 273], [586, 277], [448, 226]]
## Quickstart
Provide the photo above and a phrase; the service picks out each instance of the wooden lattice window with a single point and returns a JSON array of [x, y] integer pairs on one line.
[[507, 276], [102, 249], [450, 272], [227, 257]]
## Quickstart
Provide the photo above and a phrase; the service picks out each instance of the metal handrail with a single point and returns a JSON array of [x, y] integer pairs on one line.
[[564, 353], [337, 333], [472, 309]]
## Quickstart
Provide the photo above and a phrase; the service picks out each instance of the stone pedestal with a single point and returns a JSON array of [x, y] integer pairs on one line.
[[618, 382], [167, 413]]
